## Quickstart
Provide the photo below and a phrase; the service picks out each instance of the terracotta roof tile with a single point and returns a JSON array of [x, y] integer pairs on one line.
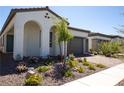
[[14, 11]]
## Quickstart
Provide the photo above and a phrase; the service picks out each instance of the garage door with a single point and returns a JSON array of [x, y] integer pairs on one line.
[[75, 46]]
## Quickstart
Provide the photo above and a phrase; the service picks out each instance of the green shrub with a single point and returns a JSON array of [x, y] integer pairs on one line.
[[68, 73], [33, 60], [95, 52], [43, 68], [91, 67], [71, 57], [100, 52], [85, 62], [48, 62], [80, 70], [116, 46], [100, 65], [60, 70], [72, 63], [109, 48], [35, 79], [79, 60], [91, 51], [21, 67]]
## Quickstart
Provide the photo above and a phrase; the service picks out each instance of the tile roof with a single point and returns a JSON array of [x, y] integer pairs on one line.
[[16, 10]]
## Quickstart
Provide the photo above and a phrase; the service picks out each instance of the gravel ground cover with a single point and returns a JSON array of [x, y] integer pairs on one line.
[[9, 76], [52, 80]]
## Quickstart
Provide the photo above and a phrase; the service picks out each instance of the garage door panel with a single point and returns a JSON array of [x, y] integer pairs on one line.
[[75, 46]]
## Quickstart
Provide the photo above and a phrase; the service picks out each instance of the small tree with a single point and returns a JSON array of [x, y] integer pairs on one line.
[[109, 48], [63, 35]]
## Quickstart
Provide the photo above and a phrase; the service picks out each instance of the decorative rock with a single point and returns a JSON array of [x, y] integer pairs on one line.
[[29, 73], [31, 68]]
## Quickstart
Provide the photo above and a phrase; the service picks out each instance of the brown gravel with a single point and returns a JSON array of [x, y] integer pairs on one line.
[[9, 77], [12, 80], [49, 81], [18, 79]]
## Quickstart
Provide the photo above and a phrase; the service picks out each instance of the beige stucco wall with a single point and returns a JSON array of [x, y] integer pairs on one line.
[[81, 34], [3, 47], [45, 25], [92, 43], [6, 30], [24, 36], [31, 39]]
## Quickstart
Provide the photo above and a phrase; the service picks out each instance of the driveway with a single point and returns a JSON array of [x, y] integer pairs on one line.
[[109, 62]]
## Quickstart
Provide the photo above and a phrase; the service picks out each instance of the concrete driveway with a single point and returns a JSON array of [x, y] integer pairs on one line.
[[109, 62]]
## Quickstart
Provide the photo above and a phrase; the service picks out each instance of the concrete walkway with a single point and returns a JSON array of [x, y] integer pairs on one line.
[[108, 77]]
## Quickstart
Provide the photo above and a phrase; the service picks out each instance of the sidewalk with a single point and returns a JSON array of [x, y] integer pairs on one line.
[[108, 77]]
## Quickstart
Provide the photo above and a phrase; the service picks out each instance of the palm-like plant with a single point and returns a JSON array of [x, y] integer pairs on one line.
[[63, 35]]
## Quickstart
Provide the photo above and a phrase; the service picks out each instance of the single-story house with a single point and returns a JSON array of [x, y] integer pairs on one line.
[[96, 38], [118, 38], [30, 32]]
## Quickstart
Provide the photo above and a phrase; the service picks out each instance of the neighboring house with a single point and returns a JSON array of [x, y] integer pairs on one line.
[[118, 38], [30, 32], [96, 38]]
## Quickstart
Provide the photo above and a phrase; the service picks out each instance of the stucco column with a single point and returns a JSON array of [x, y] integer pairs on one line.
[[84, 45], [89, 43], [45, 36], [18, 39]]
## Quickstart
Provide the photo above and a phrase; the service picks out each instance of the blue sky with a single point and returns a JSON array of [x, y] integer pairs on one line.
[[96, 19]]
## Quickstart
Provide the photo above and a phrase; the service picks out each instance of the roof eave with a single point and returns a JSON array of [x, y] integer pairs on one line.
[[14, 11], [78, 29]]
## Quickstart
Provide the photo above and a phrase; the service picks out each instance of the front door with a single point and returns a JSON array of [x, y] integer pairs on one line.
[[9, 46]]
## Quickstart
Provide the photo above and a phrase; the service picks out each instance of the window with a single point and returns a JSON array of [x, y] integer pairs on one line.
[[50, 39]]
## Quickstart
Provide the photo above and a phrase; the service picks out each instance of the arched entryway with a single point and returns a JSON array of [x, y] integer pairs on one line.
[[32, 39]]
